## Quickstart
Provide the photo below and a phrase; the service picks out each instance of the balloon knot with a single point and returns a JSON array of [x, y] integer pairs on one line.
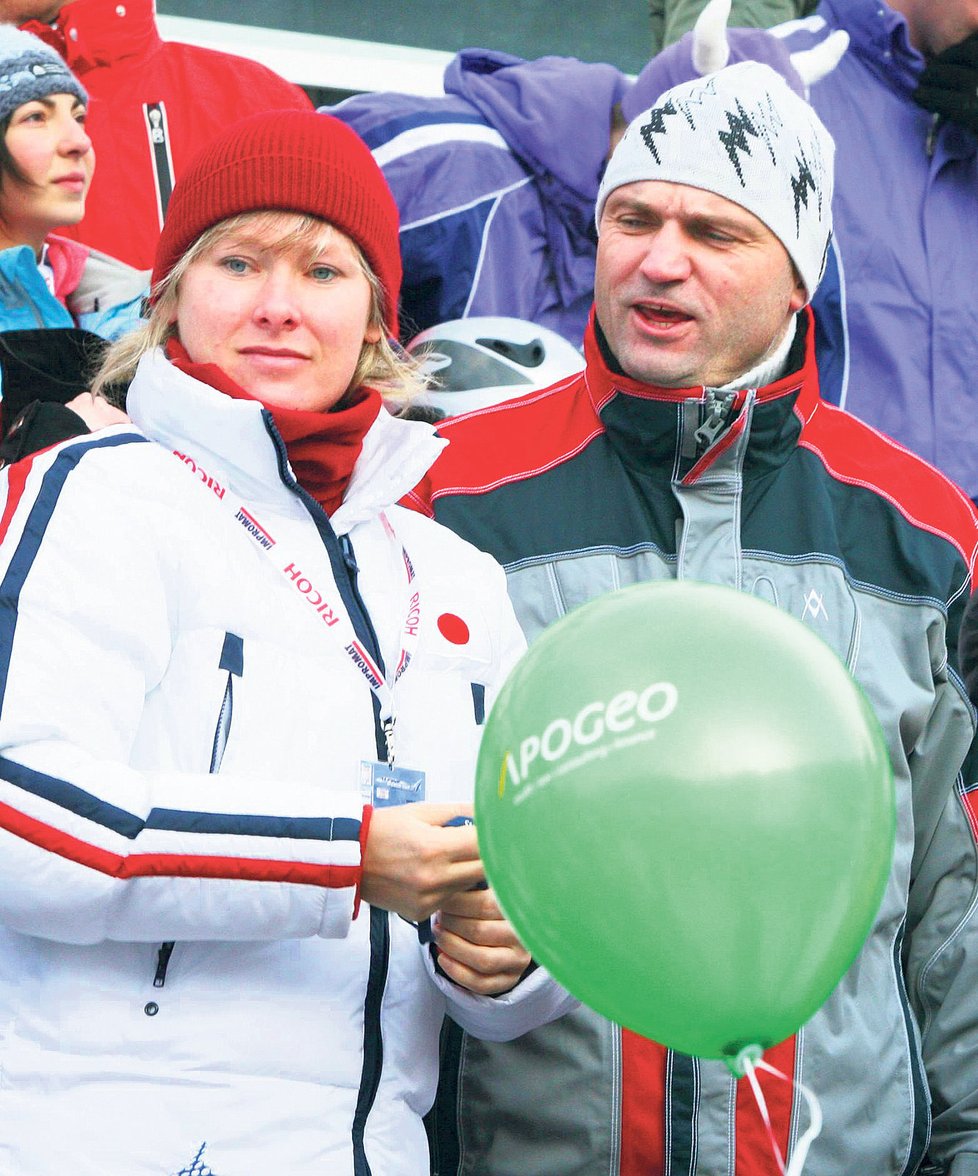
[[737, 1063]]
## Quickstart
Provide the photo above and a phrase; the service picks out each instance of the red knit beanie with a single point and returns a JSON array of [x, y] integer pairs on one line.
[[296, 161]]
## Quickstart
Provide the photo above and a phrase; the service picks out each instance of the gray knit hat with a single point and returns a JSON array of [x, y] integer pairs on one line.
[[29, 69], [744, 134]]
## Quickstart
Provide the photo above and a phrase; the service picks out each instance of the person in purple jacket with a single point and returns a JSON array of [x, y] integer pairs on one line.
[[496, 183], [896, 313]]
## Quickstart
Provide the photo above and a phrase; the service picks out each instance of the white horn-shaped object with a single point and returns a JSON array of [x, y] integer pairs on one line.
[[814, 64], [710, 49]]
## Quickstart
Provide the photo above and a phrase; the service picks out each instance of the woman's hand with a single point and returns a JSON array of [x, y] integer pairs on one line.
[[477, 947], [412, 865]]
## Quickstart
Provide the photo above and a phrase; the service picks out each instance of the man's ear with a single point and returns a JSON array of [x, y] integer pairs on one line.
[[799, 296]]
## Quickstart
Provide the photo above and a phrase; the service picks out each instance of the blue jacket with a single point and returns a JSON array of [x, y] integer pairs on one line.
[[496, 184], [897, 315], [100, 294]]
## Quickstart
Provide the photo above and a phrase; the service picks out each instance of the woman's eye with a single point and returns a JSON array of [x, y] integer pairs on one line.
[[322, 273], [235, 265]]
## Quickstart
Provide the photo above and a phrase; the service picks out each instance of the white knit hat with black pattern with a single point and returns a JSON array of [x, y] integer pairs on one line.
[[29, 69], [744, 134]]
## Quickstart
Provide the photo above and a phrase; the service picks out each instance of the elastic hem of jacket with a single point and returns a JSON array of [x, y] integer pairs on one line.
[[368, 812]]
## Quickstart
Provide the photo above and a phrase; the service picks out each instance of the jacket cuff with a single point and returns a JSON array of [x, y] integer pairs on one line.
[[364, 831]]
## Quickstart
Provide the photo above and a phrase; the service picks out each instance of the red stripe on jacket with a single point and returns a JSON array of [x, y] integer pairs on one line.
[[643, 1100], [171, 865], [755, 1156], [864, 457]]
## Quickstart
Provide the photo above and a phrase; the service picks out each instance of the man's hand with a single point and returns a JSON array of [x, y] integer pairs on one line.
[[412, 865], [477, 948], [949, 84]]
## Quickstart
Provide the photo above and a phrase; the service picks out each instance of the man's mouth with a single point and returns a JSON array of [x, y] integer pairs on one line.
[[654, 312]]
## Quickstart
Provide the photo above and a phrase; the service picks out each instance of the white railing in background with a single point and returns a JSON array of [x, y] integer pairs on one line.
[[312, 60]]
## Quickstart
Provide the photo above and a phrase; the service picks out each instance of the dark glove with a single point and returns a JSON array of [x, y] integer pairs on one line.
[[949, 84], [38, 426], [50, 364]]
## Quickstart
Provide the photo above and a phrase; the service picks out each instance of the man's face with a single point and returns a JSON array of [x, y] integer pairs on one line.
[[935, 25], [690, 288], [19, 11]]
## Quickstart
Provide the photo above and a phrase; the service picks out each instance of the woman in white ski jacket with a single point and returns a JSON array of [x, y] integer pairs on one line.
[[227, 661]]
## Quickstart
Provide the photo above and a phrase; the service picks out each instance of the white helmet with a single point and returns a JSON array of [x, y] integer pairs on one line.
[[475, 362]]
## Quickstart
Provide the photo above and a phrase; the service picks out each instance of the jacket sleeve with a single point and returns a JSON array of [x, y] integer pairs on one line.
[[941, 941], [450, 174], [538, 998], [90, 848], [535, 1001]]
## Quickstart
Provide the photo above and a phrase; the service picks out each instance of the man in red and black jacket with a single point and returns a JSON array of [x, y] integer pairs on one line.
[[695, 445]]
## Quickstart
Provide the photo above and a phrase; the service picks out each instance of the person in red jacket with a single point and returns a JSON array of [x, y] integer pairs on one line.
[[154, 105]]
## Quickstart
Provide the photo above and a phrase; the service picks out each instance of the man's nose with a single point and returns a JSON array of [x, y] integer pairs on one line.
[[667, 257]]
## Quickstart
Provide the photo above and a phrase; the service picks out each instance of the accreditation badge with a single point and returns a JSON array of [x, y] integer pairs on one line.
[[383, 786]]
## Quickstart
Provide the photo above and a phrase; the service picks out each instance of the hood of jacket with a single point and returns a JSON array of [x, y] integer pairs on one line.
[[555, 115], [100, 33], [554, 112]]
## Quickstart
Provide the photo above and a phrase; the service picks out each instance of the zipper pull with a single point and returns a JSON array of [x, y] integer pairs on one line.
[[718, 405], [162, 963], [389, 740], [346, 547], [931, 141]]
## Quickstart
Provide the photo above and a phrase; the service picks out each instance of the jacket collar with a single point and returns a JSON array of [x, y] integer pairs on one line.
[[106, 33], [67, 260], [878, 35], [640, 419], [236, 443]]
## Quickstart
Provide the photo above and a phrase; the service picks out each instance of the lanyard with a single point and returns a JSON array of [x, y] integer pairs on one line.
[[327, 607]]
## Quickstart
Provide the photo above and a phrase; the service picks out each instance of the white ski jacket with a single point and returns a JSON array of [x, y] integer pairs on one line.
[[185, 984]]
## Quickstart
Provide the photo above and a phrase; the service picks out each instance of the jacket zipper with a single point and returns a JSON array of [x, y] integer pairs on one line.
[[718, 406], [373, 1042], [342, 559]]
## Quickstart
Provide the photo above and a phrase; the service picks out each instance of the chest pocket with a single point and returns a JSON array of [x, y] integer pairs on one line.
[[819, 596]]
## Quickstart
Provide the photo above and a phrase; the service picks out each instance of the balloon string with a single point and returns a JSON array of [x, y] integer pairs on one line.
[[800, 1153], [762, 1107]]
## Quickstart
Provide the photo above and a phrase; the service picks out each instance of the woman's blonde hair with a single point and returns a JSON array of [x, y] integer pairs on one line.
[[383, 365]]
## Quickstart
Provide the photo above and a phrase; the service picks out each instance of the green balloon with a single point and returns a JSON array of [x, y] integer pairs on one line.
[[685, 807]]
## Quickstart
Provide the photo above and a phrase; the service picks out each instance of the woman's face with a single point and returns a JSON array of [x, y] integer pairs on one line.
[[288, 327], [47, 141]]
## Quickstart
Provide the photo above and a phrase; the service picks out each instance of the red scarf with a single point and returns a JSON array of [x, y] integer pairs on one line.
[[322, 446]]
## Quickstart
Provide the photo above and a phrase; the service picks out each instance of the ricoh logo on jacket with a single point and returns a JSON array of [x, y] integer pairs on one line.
[[598, 729], [304, 585], [413, 615], [200, 472]]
